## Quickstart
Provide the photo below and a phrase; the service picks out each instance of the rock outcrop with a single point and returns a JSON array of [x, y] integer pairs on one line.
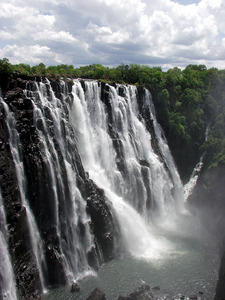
[[96, 294], [141, 293]]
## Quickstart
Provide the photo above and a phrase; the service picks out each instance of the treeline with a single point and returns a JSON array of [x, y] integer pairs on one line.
[[133, 73], [190, 103]]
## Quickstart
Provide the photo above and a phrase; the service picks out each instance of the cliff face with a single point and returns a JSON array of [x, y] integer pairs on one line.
[[208, 198], [25, 269], [39, 193], [208, 202]]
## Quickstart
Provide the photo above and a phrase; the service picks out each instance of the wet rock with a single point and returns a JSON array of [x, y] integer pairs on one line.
[[103, 222], [24, 263], [121, 91], [146, 287], [156, 288], [39, 190], [141, 293], [54, 261], [144, 163], [75, 287], [96, 294]]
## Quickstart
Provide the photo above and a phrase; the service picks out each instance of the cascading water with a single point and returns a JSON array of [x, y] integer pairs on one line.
[[14, 142], [142, 187], [7, 282], [189, 186], [50, 118], [166, 155]]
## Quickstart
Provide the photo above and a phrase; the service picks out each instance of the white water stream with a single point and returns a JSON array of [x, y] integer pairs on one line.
[[14, 142], [7, 287], [73, 247], [126, 191]]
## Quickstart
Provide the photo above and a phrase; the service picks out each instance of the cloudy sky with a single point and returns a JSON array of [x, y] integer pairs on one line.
[[162, 33]]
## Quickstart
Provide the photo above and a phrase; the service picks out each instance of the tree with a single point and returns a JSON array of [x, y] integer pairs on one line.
[[5, 67]]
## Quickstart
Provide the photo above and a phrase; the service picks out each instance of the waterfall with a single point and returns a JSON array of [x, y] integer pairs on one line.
[[177, 190], [7, 282], [91, 150], [14, 142], [68, 207], [116, 151], [189, 186]]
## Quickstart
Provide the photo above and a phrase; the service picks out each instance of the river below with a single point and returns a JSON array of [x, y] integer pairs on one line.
[[186, 263]]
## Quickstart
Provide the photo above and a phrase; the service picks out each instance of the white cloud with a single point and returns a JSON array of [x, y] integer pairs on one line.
[[29, 54], [161, 32], [215, 4], [50, 35], [21, 22], [103, 34], [11, 11]]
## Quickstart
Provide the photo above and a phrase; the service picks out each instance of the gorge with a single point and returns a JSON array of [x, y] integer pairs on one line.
[[88, 182]]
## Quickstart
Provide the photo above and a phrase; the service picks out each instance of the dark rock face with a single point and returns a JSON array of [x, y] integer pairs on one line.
[[25, 269], [37, 182], [208, 198], [103, 224], [145, 114], [40, 197], [96, 294], [75, 287]]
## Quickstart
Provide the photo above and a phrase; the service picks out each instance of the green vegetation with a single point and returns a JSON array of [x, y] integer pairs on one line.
[[186, 101]]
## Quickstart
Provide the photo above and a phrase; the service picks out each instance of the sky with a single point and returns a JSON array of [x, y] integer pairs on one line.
[[161, 33]]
